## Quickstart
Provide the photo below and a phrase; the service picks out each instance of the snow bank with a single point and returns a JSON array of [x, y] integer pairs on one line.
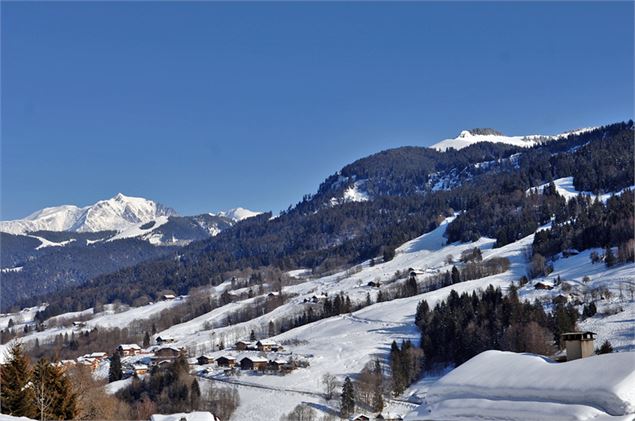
[[465, 409], [187, 416], [605, 382]]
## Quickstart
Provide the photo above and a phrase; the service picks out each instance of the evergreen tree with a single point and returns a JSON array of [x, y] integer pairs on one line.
[[347, 405], [606, 348], [252, 336], [114, 372], [272, 329], [146, 340], [195, 395], [55, 398], [17, 395], [456, 275]]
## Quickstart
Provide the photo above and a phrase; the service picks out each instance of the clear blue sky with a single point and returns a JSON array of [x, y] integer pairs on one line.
[[205, 106]]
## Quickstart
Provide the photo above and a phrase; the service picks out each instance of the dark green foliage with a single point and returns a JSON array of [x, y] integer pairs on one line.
[[583, 224], [43, 393], [347, 403], [114, 372], [605, 348], [406, 364], [456, 275], [146, 340], [17, 399], [589, 310], [462, 326]]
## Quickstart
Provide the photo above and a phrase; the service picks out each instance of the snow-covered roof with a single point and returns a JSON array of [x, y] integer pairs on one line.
[[126, 347], [227, 357], [266, 342], [254, 359]]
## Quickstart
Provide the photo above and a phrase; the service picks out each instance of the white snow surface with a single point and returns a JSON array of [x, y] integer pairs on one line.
[[466, 138], [187, 416], [118, 213], [237, 214], [565, 188], [498, 382]]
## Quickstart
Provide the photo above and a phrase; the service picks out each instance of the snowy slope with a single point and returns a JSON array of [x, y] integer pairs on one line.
[[237, 214], [565, 188], [467, 138], [495, 381], [118, 213]]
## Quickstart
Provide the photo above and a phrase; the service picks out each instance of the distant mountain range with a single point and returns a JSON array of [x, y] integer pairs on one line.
[[65, 245]]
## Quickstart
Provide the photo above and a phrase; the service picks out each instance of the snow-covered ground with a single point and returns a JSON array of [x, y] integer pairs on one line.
[[565, 188], [511, 386]]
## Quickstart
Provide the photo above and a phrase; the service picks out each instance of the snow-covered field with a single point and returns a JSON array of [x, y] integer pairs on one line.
[[506, 385]]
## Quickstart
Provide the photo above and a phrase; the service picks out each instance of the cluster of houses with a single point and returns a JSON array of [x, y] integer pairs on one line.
[[257, 360]]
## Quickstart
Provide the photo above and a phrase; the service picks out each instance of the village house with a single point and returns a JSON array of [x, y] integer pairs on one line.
[[543, 285], [205, 359], [139, 369], [253, 363], [578, 344], [165, 340], [226, 361], [88, 362], [360, 417], [79, 324], [127, 350], [168, 352], [98, 355], [244, 345], [278, 365], [167, 297], [266, 345]]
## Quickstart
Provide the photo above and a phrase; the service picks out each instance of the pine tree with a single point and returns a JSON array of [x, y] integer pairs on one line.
[[347, 405], [456, 275], [606, 348], [272, 328], [252, 336], [17, 397], [146, 340], [114, 373], [195, 395]]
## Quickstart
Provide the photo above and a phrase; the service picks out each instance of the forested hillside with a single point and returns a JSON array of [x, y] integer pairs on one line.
[[490, 186]]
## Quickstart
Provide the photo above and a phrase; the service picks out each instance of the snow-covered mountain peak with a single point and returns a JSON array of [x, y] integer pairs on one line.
[[472, 136], [237, 214], [117, 213]]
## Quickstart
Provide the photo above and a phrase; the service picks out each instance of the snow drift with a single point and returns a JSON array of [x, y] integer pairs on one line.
[[502, 383]]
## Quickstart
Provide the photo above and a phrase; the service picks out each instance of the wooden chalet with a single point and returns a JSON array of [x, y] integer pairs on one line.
[[168, 352], [253, 363], [266, 345], [205, 359], [127, 350], [226, 361]]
